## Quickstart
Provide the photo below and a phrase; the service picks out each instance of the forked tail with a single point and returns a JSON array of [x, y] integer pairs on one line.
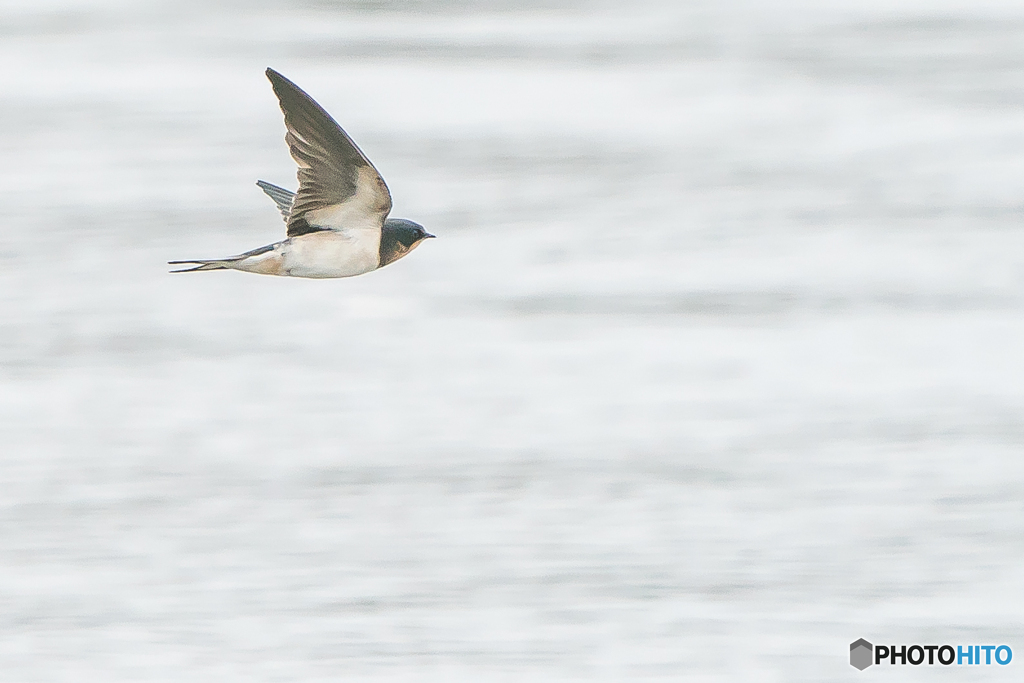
[[221, 263], [218, 264]]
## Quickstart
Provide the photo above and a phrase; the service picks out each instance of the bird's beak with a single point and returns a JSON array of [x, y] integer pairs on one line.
[[428, 236]]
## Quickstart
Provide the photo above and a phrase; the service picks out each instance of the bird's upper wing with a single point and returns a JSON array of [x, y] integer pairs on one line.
[[339, 189], [282, 197]]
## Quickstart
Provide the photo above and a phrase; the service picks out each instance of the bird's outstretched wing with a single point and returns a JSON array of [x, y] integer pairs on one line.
[[339, 189], [282, 197]]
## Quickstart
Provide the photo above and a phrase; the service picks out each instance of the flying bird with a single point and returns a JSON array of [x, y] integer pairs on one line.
[[337, 221]]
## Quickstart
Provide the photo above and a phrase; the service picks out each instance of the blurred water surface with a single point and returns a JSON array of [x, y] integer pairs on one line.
[[714, 369]]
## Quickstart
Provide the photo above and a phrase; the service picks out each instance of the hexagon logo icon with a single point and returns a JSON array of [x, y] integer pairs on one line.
[[860, 654]]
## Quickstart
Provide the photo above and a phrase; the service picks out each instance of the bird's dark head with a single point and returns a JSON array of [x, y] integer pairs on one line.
[[398, 238]]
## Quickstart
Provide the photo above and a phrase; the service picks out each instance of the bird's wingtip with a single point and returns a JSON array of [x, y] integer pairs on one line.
[[274, 75]]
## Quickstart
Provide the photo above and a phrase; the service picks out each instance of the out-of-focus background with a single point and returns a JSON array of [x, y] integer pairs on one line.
[[714, 368]]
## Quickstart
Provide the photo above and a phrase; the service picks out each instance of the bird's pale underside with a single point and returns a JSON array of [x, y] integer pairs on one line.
[[337, 224]]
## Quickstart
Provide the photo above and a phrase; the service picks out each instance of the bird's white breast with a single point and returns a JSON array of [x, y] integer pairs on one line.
[[329, 253]]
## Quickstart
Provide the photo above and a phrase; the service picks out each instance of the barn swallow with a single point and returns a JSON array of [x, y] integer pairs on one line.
[[337, 221]]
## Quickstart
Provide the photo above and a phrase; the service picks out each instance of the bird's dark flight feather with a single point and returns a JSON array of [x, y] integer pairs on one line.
[[331, 166]]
